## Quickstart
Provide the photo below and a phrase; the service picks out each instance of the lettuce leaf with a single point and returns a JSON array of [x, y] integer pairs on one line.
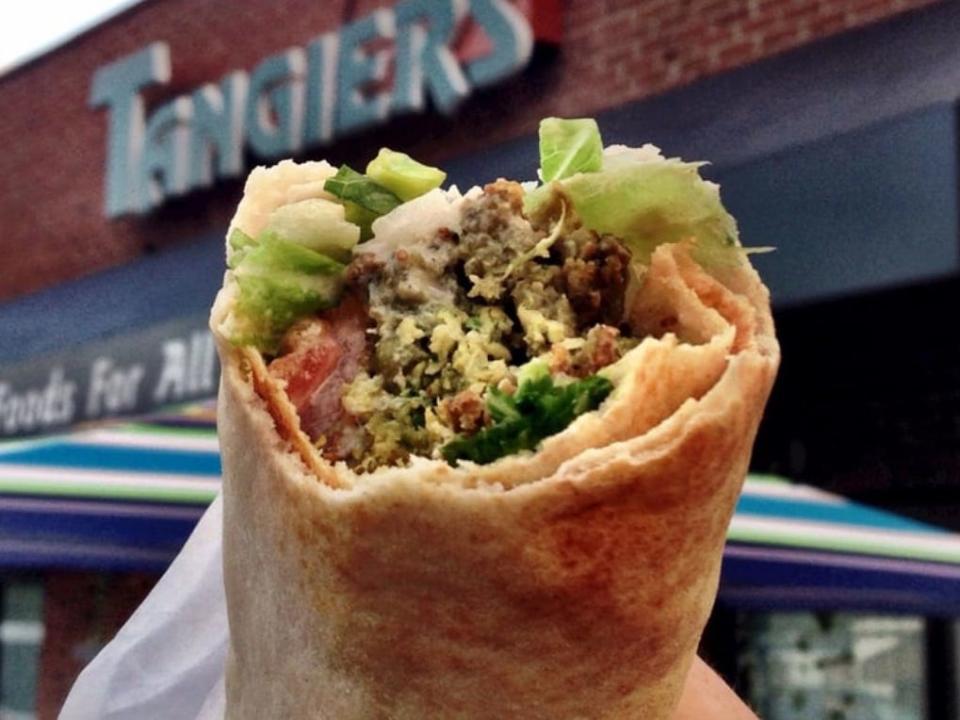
[[634, 194], [278, 283], [350, 185], [568, 147], [646, 202], [361, 217], [315, 223], [239, 242], [403, 176]]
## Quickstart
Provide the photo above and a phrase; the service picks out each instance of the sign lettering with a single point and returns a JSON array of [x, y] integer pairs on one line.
[[32, 409], [132, 373], [340, 83]]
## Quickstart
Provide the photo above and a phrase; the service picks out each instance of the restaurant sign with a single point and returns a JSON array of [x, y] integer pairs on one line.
[[131, 373], [382, 65]]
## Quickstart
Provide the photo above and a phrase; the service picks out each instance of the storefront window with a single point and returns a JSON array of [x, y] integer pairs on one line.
[[21, 637], [834, 666]]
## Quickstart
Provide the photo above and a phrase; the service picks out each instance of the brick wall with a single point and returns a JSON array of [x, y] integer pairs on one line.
[[626, 50], [613, 51]]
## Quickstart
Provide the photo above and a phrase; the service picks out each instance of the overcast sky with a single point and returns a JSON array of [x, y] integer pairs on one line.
[[30, 28]]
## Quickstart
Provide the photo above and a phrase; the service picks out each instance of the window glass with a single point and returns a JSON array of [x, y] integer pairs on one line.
[[834, 666], [21, 637]]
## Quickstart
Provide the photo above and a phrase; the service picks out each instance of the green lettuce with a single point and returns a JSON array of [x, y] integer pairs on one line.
[[649, 202], [361, 217], [363, 198], [403, 176], [634, 194], [317, 224], [350, 185], [239, 242], [279, 282], [568, 147]]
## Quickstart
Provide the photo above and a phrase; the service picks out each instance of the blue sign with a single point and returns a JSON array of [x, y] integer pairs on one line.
[[299, 97]]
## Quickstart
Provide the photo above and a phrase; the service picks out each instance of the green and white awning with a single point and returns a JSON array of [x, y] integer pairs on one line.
[[775, 512], [168, 458], [124, 495]]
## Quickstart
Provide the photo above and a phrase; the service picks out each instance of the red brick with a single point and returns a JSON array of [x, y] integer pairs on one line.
[[781, 38], [803, 13], [725, 12], [825, 25], [735, 55], [867, 11], [627, 57], [759, 23], [618, 24], [769, 8]]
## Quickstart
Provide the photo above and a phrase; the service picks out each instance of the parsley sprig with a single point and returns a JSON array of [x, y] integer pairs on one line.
[[540, 408]]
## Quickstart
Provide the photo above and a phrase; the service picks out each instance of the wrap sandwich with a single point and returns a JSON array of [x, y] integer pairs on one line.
[[481, 449]]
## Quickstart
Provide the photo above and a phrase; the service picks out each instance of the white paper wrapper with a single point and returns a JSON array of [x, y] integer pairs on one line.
[[167, 662]]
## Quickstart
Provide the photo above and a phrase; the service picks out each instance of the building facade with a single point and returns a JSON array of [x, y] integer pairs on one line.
[[125, 150]]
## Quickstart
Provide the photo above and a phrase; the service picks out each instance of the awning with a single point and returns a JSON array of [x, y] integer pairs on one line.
[[792, 546], [125, 495], [112, 496]]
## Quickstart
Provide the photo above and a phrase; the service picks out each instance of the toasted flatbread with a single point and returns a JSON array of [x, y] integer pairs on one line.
[[570, 582]]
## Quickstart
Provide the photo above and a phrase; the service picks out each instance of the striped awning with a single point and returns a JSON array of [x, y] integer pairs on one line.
[[111, 496], [793, 546], [125, 495], [172, 457]]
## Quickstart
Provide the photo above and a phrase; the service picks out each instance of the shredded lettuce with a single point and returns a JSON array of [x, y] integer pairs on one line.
[[540, 408], [568, 147], [646, 203], [350, 185], [403, 176], [316, 224], [278, 283], [239, 242], [361, 217], [363, 198], [637, 195]]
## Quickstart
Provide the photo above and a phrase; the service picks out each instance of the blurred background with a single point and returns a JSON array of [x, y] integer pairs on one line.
[[830, 124]]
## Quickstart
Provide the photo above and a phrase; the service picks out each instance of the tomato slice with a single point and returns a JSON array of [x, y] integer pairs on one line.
[[321, 354], [306, 369]]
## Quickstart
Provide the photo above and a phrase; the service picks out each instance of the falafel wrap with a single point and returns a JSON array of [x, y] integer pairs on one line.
[[481, 449]]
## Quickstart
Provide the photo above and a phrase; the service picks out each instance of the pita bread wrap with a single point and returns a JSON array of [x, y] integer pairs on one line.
[[572, 581]]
